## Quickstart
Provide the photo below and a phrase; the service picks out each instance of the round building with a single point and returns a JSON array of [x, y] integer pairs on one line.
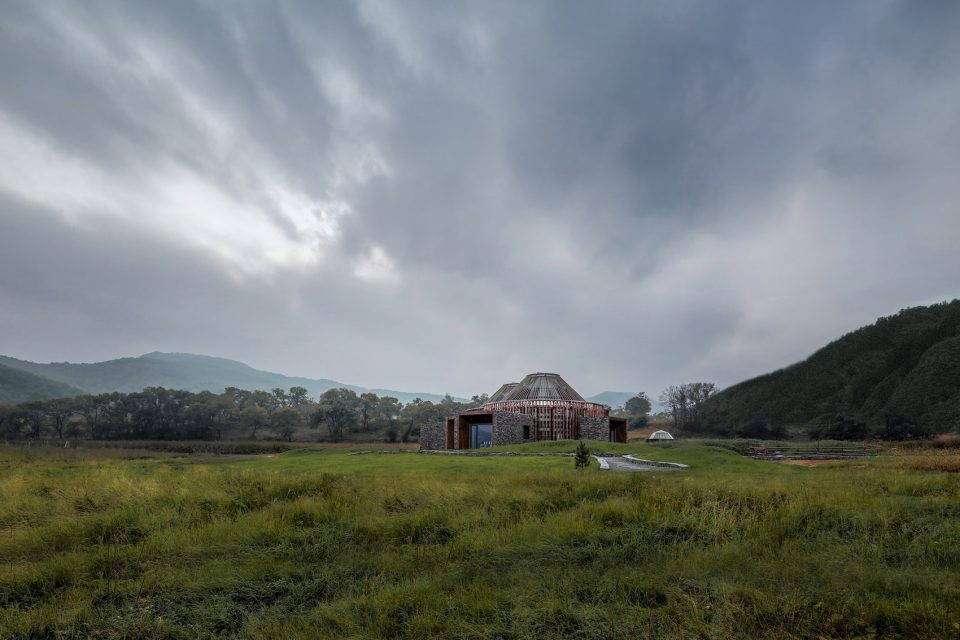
[[542, 406]]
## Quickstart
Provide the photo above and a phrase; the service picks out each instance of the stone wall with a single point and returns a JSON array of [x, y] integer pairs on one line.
[[433, 436], [595, 428], [508, 427]]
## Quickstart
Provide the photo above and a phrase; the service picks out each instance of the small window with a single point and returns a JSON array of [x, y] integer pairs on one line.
[[526, 432]]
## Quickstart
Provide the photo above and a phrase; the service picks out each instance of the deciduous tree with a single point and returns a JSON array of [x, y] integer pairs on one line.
[[286, 421], [637, 409], [253, 418], [338, 410]]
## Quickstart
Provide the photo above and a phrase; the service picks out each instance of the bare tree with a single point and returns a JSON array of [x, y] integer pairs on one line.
[[687, 402]]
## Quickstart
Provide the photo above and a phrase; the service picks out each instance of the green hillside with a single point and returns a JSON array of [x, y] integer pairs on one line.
[[18, 386], [184, 371], [903, 368]]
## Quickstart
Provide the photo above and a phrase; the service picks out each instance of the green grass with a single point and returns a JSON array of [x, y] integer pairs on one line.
[[332, 543]]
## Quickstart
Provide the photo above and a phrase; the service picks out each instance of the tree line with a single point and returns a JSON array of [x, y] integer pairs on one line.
[[157, 413], [685, 406]]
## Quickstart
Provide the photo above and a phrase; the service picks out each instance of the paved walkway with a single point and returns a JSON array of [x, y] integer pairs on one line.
[[631, 464], [607, 461]]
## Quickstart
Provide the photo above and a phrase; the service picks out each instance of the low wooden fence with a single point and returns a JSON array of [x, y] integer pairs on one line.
[[812, 451]]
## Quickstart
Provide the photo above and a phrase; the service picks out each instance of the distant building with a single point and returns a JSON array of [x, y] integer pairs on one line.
[[542, 406]]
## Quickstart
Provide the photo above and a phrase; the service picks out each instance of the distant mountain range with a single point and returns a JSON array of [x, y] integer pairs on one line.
[[171, 370], [612, 399], [17, 385], [905, 366], [23, 380]]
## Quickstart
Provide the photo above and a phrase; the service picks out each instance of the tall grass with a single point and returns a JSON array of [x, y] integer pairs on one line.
[[325, 543]]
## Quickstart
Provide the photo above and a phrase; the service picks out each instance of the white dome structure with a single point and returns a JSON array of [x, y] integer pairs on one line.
[[659, 435]]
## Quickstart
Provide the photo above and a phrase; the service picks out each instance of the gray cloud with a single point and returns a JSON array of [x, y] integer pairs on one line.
[[443, 197]]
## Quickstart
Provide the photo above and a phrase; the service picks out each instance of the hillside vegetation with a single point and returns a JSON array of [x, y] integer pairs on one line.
[[19, 386], [331, 544], [899, 376]]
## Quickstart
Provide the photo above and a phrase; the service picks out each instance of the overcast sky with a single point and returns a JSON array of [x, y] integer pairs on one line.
[[444, 196]]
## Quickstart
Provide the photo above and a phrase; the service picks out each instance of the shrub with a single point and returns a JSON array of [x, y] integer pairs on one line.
[[582, 458]]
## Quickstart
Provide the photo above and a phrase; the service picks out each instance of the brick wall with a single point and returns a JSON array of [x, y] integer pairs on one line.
[[508, 427], [434, 436], [595, 428]]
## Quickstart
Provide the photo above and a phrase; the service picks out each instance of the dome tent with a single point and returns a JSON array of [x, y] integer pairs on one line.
[[659, 435]]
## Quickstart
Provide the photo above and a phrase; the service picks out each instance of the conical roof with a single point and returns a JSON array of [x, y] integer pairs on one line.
[[503, 392], [544, 386]]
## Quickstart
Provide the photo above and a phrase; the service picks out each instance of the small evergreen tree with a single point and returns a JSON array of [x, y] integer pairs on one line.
[[582, 459]]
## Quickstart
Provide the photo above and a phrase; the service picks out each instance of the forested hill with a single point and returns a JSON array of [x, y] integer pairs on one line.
[[903, 369], [184, 371], [19, 386]]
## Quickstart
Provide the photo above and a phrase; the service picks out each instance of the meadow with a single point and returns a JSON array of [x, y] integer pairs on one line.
[[340, 543]]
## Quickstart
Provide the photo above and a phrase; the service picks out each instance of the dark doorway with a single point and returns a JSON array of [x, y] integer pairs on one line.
[[618, 429]]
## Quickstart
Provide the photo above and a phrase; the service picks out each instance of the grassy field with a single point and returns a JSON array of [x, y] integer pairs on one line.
[[332, 543]]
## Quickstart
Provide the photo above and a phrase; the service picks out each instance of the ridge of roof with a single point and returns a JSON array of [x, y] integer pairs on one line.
[[543, 386], [503, 392]]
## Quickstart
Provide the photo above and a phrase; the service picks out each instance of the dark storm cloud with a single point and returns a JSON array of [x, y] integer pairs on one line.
[[442, 196]]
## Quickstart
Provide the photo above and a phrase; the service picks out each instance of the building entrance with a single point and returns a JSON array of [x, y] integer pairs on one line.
[[481, 436]]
